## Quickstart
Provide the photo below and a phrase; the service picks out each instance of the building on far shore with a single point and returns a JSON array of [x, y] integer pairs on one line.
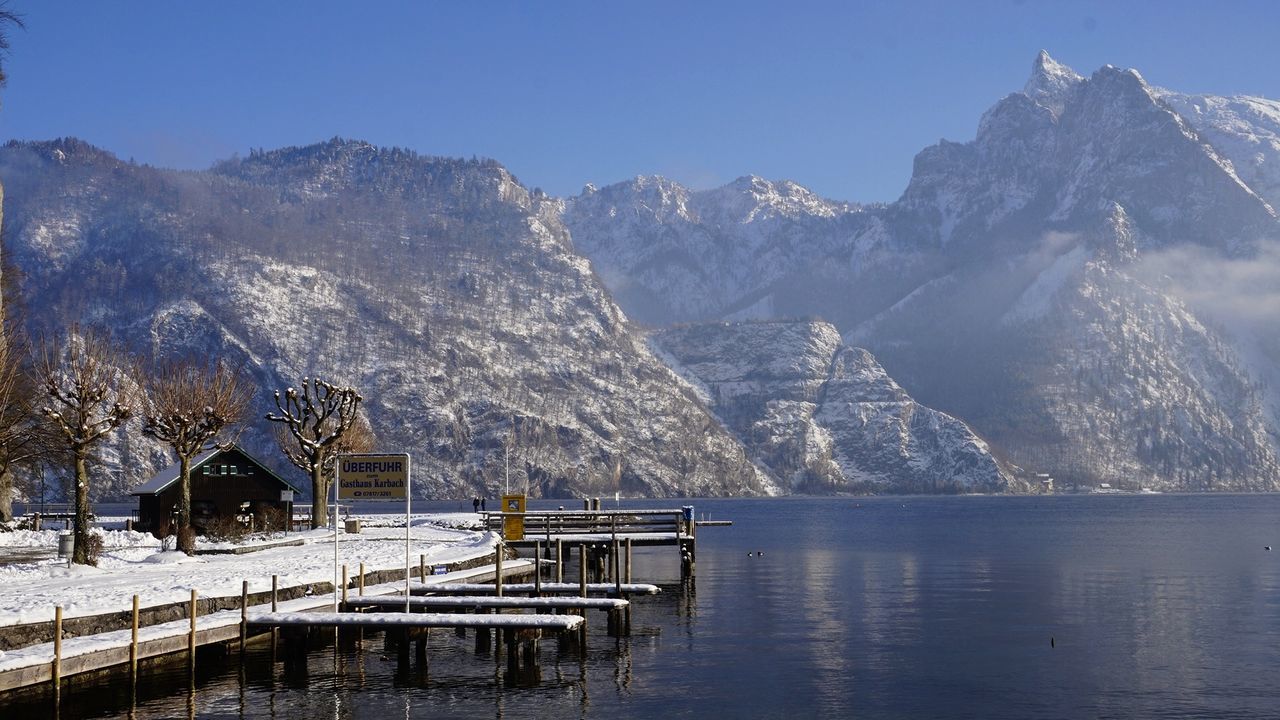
[[225, 485]]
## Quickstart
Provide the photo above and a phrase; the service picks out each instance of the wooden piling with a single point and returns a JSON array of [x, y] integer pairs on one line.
[[498, 570], [537, 570], [133, 642], [559, 560], [513, 661], [244, 615], [617, 568], [57, 651], [627, 577], [191, 635], [361, 579], [626, 614], [422, 567], [345, 583], [275, 579]]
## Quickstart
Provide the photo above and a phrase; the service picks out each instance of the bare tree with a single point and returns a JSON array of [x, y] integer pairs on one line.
[[316, 419], [90, 397], [21, 441], [359, 438], [8, 18], [188, 406]]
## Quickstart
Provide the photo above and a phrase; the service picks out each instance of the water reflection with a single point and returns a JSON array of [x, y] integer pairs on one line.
[[915, 607]]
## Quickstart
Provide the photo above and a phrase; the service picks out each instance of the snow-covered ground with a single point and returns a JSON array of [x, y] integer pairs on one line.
[[135, 564]]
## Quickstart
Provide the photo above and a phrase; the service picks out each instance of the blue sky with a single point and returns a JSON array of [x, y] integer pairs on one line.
[[838, 96]]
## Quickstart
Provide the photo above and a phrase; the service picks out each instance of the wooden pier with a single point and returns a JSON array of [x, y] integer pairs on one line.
[[604, 540], [546, 588], [600, 536]]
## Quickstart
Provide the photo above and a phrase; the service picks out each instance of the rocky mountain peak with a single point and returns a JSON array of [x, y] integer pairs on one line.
[[1050, 82]]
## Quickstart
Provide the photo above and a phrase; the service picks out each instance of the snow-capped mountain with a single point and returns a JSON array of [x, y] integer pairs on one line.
[[443, 289], [824, 417], [1055, 282]]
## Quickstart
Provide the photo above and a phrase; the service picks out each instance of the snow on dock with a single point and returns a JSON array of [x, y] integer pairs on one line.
[[417, 620], [551, 588], [491, 602]]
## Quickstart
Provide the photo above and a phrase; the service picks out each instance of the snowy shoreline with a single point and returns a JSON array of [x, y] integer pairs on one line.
[[133, 563]]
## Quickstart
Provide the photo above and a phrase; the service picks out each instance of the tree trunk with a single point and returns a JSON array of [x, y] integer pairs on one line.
[[80, 553], [186, 536], [319, 498], [6, 494]]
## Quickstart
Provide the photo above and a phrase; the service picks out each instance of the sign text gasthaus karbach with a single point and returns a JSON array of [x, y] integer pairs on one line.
[[373, 477]]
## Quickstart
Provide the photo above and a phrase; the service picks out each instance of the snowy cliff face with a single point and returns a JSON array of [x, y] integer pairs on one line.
[[824, 417], [674, 255], [1091, 217], [442, 289]]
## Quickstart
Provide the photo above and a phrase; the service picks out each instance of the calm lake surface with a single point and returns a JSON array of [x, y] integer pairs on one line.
[[982, 607]]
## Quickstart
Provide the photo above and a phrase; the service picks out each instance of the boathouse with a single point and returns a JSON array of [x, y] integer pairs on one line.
[[224, 484]]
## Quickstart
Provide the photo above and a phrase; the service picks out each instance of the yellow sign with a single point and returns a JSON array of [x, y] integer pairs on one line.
[[373, 477], [513, 526]]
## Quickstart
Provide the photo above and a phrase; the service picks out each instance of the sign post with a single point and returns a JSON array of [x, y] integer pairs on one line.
[[377, 477]]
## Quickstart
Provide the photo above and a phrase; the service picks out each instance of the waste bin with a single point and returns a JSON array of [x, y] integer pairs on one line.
[[66, 543], [353, 526]]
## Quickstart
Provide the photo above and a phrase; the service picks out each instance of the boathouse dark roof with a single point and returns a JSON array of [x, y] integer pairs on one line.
[[169, 475]]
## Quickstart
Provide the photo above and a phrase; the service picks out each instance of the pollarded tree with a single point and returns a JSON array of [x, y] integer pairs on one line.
[[316, 418], [91, 396], [358, 438], [189, 405], [21, 441]]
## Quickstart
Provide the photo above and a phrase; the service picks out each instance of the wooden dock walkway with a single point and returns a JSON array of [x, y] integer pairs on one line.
[[600, 536], [491, 602], [383, 621], [42, 663], [547, 588]]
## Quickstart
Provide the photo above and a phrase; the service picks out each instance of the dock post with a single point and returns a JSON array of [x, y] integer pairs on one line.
[[537, 568], [582, 591], [627, 576], [482, 640], [497, 570], [191, 636], [422, 567], [345, 583], [133, 643], [586, 504], [275, 579], [559, 560], [617, 568], [626, 615], [244, 616], [361, 579], [513, 652], [420, 649], [57, 654]]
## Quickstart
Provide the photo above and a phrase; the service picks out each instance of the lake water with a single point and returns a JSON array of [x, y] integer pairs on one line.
[[982, 607]]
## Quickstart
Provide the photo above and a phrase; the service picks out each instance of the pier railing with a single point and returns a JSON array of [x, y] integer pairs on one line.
[[548, 524]]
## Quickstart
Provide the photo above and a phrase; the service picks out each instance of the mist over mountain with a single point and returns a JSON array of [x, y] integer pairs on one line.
[[1057, 282]]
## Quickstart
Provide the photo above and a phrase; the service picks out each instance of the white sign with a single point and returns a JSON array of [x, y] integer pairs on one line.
[[373, 477]]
